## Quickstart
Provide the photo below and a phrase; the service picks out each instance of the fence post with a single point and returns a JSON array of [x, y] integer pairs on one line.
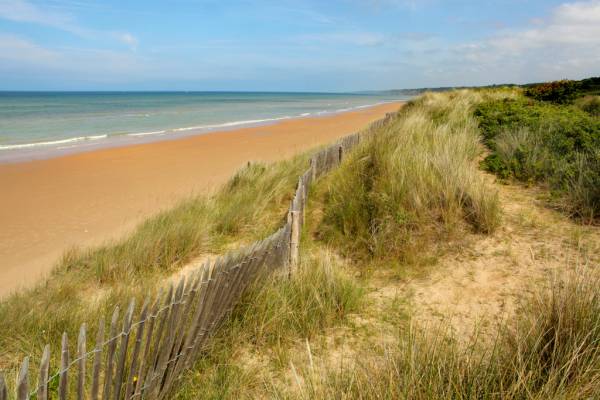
[[303, 204], [313, 168], [23, 381], [42, 391], [3, 391], [294, 240], [63, 386], [340, 153]]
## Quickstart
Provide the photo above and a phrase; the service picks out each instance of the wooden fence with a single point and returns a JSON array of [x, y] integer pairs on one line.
[[142, 354]]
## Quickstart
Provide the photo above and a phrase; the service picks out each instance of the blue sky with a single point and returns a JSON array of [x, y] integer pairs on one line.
[[325, 45]]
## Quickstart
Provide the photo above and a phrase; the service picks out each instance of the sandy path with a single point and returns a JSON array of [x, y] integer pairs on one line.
[[50, 205], [483, 280]]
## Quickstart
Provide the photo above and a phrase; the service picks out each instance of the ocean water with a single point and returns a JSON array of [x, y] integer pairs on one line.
[[35, 122]]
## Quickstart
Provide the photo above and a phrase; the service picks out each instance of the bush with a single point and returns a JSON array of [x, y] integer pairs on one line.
[[539, 142], [590, 86], [560, 92]]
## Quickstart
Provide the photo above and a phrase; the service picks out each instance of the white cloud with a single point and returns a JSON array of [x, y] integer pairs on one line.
[[16, 49], [27, 12], [574, 24], [128, 39], [24, 11], [566, 44]]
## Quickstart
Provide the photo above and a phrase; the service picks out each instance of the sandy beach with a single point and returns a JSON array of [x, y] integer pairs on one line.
[[48, 206]]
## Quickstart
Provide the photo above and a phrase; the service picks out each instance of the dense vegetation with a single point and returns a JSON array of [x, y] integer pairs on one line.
[[549, 142]]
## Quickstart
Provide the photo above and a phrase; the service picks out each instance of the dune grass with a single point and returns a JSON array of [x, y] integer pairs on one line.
[[550, 351], [413, 183], [88, 283]]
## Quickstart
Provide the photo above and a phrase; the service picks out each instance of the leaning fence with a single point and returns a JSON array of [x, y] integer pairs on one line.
[[141, 354]]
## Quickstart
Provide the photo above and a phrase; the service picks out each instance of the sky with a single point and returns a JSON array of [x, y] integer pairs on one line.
[[286, 45]]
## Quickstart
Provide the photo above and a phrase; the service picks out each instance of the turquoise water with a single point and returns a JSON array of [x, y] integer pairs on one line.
[[59, 120]]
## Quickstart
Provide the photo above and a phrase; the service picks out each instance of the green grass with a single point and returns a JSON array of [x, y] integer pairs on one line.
[[413, 183], [555, 145]]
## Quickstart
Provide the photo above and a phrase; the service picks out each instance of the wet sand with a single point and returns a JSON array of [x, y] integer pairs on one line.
[[48, 206]]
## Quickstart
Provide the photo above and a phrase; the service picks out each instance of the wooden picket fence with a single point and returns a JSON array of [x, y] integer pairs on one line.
[[142, 355]]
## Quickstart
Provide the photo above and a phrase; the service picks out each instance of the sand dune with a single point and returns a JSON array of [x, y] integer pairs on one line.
[[47, 206]]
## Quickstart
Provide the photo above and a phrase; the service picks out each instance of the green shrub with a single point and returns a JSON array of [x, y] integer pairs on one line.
[[590, 86], [560, 92], [548, 143]]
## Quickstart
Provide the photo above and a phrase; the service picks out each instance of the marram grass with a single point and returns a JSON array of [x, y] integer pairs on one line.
[[413, 183]]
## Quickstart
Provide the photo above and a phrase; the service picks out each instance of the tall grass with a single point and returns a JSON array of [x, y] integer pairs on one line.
[[551, 351], [412, 183]]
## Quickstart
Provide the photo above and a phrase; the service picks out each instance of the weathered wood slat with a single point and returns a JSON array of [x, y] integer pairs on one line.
[[228, 271], [110, 355], [3, 390], [237, 272], [63, 381], [23, 381], [42, 390], [167, 347], [81, 344], [294, 241], [194, 330], [220, 284], [212, 279], [95, 390], [139, 335], [147, 345], [164, 315], [179, 349], [123, 346]]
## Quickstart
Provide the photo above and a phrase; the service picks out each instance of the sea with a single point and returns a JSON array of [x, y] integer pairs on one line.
[[41, 124]]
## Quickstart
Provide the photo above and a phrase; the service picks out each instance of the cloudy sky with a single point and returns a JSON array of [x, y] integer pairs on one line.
[[293, 45]]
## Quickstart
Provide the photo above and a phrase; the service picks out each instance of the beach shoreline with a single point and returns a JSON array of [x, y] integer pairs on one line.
[[62, 146], [89, 197]]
